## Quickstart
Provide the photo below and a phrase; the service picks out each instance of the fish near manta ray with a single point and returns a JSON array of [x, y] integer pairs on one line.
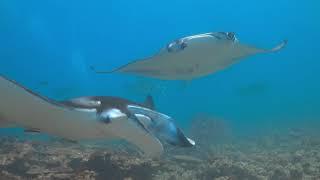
[[193, 56], [90, 117]]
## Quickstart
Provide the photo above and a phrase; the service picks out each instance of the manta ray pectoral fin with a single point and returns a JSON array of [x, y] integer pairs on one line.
[[161, 126], [166, 131], [38, 131], [6, 124], [118, 69], [25, 108], [182, 140], [136, 66], [246, 50], [279, 46], [150, 145], [274, 49]]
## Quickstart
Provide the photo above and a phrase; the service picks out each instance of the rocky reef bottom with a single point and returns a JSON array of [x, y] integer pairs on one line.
[[274, 158]]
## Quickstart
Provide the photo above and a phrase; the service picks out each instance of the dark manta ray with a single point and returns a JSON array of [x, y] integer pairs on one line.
[[193, 56], [85, 118]]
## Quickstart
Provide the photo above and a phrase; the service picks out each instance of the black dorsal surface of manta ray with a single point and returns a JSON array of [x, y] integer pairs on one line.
[[91, 117], [193, 56]]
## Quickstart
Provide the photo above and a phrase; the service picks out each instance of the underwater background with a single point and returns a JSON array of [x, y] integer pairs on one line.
[[49, 46]]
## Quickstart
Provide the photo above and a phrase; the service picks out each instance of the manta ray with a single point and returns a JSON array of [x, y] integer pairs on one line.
[[193, 56], [90, 117]]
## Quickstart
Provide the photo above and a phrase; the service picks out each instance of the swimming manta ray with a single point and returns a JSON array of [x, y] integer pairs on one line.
[[92, 117], [193, 56]]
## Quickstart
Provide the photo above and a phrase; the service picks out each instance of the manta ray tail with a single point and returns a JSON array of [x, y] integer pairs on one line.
[[279, 46], [102, 72], [106, 71]]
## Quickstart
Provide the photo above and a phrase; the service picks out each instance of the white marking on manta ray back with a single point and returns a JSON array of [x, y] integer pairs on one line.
[[145, 120], [142, 110], [113, 113], [197, 36], [85, 110], [86, 101]]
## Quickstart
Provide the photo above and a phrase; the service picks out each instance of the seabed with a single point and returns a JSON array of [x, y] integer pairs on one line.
[[285, 157]]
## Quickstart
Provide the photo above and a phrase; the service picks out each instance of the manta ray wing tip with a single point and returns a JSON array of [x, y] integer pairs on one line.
[[284, 42], [280, 46]]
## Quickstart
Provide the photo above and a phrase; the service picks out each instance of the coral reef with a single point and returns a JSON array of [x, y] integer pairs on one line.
[[273, 157]]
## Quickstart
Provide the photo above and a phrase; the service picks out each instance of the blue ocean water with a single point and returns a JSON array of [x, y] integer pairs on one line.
[[48, 46]]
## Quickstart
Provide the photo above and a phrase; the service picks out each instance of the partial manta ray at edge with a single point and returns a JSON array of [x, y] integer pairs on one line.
[[90, 117]]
